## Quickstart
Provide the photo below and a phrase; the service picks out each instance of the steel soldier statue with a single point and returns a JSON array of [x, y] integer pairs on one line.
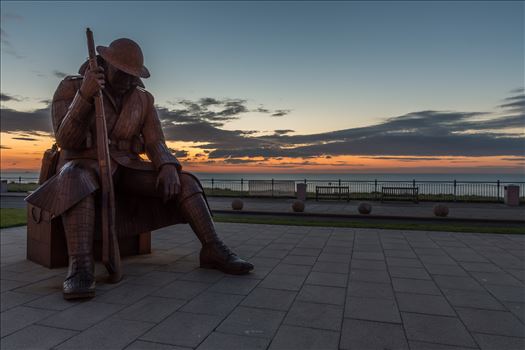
[[149, 194]]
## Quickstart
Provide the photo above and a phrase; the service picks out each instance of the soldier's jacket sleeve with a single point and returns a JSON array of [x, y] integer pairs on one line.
[[154, 141], [72, 114]]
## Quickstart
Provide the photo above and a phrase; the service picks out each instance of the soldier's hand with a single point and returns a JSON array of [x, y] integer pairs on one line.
[[168, 182], [93, 81]]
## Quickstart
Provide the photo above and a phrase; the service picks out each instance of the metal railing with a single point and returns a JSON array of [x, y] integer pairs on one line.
[[467, 191]]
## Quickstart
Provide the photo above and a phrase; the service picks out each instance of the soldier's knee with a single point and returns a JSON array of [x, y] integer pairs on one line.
[[190, 185]]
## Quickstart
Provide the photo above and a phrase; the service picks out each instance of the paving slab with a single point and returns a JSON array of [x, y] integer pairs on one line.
[[312, 287]]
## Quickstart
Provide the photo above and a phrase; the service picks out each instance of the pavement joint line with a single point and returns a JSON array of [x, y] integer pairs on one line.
[[481, 284], [296, 293]]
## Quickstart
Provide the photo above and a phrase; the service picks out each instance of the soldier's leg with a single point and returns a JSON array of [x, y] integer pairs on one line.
[[79, 225], [214, 253], [193, 206]]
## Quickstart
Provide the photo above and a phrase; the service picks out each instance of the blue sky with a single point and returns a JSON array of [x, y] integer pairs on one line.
[[332, 65]]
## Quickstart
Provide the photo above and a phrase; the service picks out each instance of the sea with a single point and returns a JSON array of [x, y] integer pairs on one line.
[[32, 176]]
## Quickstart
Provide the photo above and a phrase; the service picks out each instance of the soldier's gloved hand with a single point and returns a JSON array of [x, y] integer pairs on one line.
[[169, 182], [92, 82]]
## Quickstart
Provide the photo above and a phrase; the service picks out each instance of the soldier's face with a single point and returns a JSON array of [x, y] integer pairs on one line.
[[119, 81]]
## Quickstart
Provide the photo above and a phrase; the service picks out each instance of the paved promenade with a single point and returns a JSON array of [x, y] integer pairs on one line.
[[494, 211], [313, 288]]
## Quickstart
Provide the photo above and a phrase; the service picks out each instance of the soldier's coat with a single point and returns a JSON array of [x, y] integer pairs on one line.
[[133, 128]]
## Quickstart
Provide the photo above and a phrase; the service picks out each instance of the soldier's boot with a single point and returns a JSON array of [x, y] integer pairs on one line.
[[214, 253], [79, 227]]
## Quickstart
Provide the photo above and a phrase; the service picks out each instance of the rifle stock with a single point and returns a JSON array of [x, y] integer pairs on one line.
[[110, 248]]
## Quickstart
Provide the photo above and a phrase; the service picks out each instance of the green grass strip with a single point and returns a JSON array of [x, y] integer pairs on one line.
[[12, 217], [448, 227]]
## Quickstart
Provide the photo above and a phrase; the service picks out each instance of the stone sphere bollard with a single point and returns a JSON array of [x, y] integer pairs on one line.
[[441, 210], [298, 206], [364, 208], [237, 204]]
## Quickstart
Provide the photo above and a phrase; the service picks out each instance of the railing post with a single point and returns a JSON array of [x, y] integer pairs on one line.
[[455, 186], [375, 188], [339, 189], [212, 185], [272, 187], [242, 187], [498, 191], [20, 179], [414, 183]]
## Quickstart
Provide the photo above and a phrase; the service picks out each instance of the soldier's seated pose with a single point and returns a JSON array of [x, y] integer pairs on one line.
[[157, 192]]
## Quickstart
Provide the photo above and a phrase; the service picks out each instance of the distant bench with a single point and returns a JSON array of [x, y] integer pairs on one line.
[[397, 193], [332, 192]]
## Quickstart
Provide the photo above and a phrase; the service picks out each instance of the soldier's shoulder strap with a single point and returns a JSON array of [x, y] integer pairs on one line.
[[68, 87]]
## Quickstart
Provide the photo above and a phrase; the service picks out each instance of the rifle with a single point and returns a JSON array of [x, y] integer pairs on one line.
[[110, 248]]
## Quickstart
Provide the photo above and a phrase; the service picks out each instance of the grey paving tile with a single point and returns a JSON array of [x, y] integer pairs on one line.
[[472, 298], [368, 264], [285, 282], [506, 293], [183, 329], [403, 253], [220, 341], [53, 301], [43, 287], [518, 309], [369, 276], [306, 251], [210, 303], [20, 317], [480, 267], [408, 285], [235, 285], [372, 309], [11, 299], [126, 294], [325, 266], [408, 272], [499, 278], [368, 255], [252, 322], [436, 329], [298, 338], [111, 333], [454, 282], [181, 289], [403, 262], [492, 342], [6, 285], [203, 275], [156, 278], [36, 337], [146, 345], [313, 315], [370, 290], [150, 309], [81, 316], [288, 269], [418, 345], [322, 294], [447, 270], [424, 304], [272, 253], [437, 259], [331, 257], [299, 260], [327, 279], [491, 322], [273, 299], [359, 334]]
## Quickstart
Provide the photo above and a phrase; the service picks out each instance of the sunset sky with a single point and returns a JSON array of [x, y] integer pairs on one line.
[[336, 87]]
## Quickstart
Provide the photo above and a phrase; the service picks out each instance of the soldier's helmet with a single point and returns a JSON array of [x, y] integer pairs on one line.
[[126, 55]]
